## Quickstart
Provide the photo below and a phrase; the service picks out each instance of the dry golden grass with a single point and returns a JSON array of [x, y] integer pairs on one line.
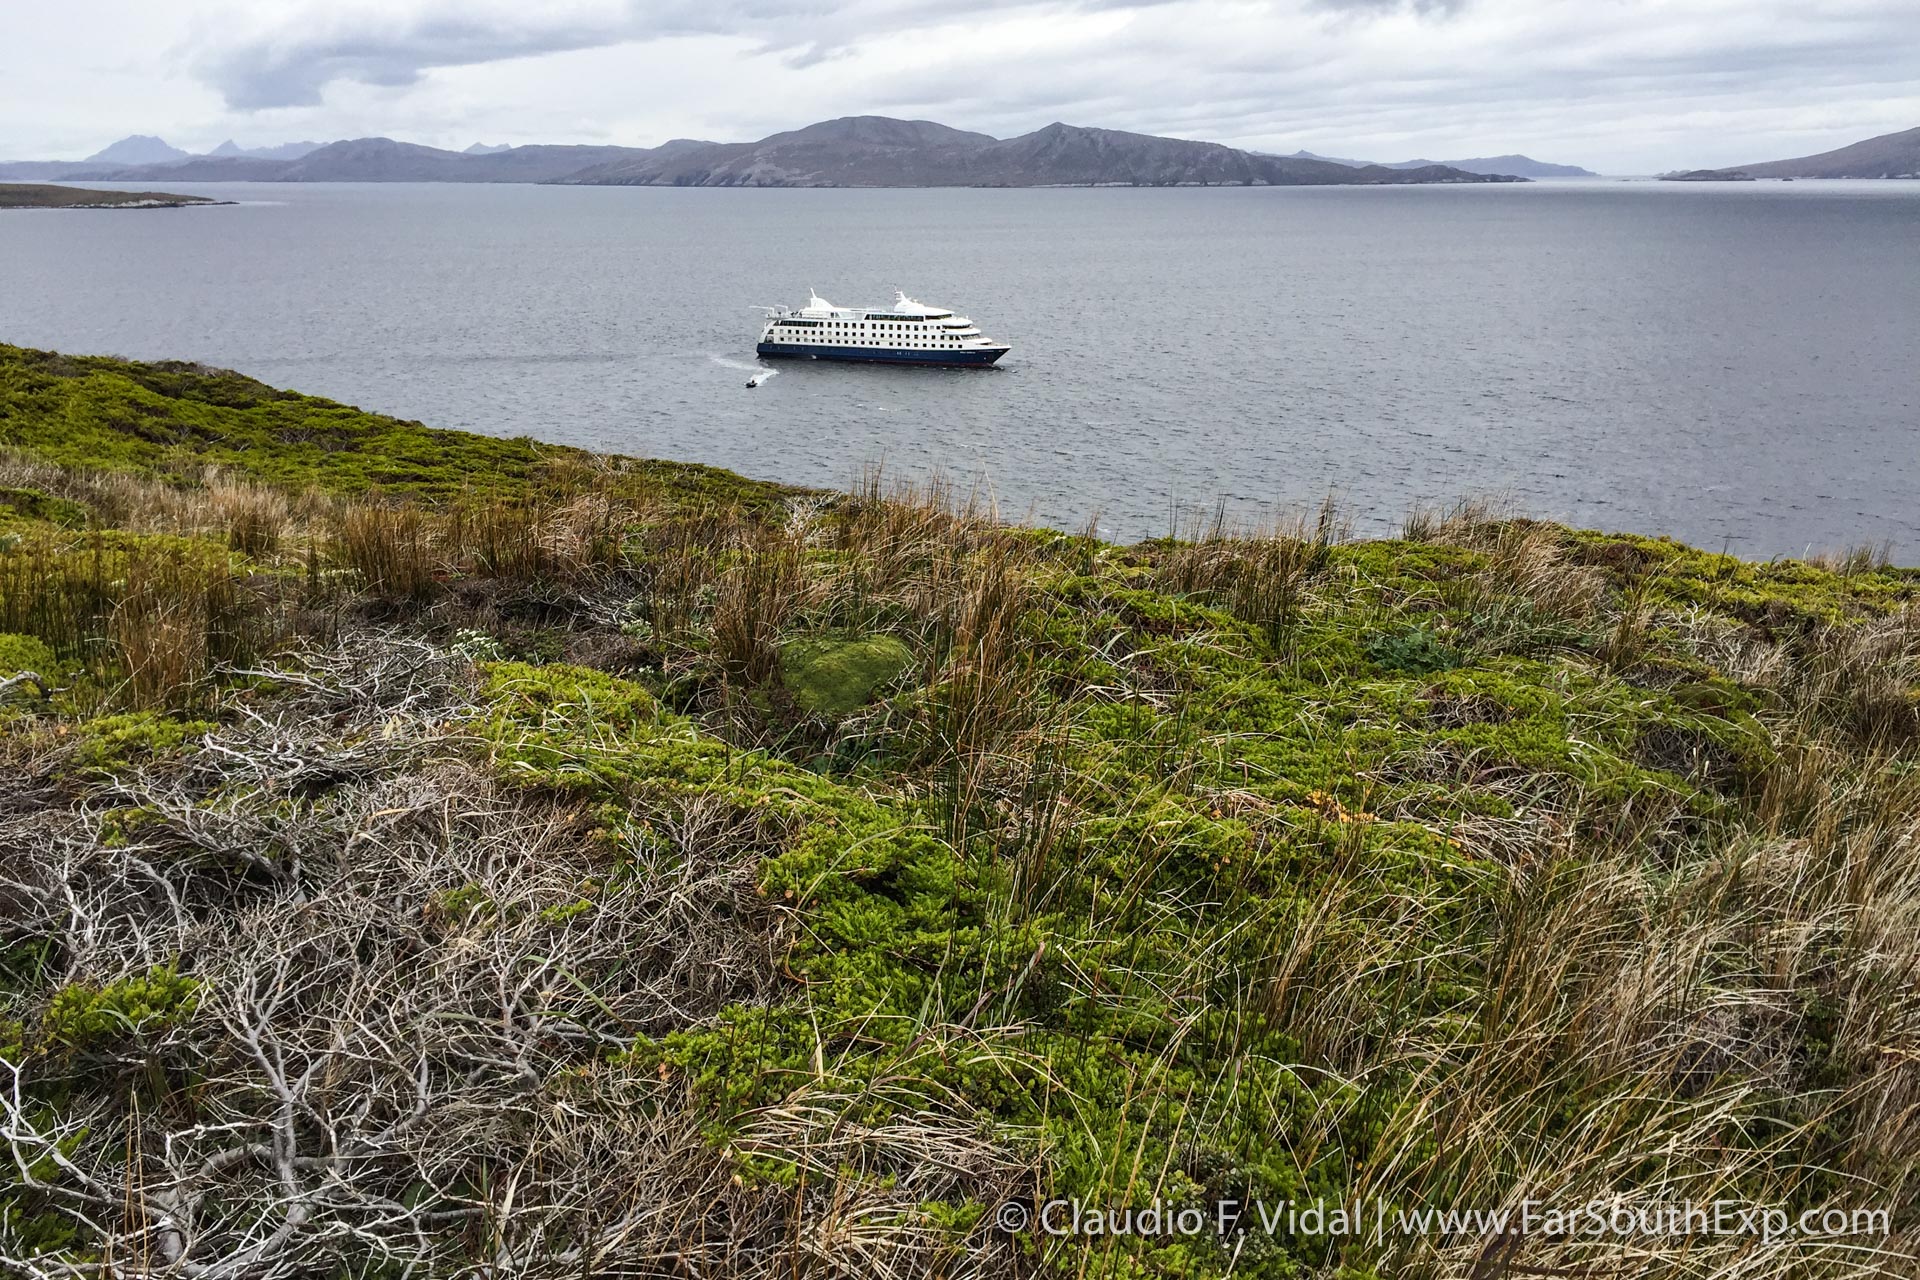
[[1262, 577], [1663, 998], [394, 550]]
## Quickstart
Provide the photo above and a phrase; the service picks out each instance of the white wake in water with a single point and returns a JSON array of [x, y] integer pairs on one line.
[[759, 371]]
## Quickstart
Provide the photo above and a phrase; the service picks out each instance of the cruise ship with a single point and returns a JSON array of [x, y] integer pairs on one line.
[[907, 332]]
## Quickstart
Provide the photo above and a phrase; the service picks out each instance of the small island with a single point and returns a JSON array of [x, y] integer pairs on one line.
[[36, 195]]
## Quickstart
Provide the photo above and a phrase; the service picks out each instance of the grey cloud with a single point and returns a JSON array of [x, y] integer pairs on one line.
[[1609, 81], [293, 65], [1389, 6], [1573, 85]]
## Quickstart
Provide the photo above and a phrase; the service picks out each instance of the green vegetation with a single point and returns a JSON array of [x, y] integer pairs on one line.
[[173, 420], [82, 1016], [836, 675], [25, 653], [517, 860]]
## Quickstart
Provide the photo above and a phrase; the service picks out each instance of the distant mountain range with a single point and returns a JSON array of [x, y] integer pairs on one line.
[[857, 151], [140, 156], [137, 149], [1514, 165], [875, 151], [355, 160], [1891, 155], [285, 151], [1519, 166]]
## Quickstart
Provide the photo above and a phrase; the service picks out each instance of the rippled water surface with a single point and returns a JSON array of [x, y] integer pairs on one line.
[[1737, 365]]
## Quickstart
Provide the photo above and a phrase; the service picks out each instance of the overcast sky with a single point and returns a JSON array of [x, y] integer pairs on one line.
[[1624, 86]]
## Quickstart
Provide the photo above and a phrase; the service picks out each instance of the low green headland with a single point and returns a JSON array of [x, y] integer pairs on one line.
[[40, 195], [428, 854]]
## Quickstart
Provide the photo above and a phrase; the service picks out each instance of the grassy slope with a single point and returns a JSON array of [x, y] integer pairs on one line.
[[171, 420], [1502, 860]]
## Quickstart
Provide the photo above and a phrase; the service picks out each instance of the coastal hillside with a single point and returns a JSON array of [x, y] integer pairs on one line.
[[431, 854], [860, 151], [874, 151], [1517, 165], [1891, 155], [383, 160]]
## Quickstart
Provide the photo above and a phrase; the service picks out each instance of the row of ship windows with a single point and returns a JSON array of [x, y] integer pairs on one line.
[[874, 342], [840, 327]]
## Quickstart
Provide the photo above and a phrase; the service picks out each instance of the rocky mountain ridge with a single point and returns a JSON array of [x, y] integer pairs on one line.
[[875, 151], [854, 151]]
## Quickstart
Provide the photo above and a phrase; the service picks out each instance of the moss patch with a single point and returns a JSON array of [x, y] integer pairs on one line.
[[837, 675]]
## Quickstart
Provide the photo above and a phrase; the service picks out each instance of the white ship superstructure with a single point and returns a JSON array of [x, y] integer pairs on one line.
[[907, 332]]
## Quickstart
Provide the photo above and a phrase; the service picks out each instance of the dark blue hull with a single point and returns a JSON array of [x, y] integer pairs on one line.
[[881, 355]]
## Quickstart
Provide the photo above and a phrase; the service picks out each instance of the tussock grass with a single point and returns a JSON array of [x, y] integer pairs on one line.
[[390, 549], [754, 598], [448, 878], [1260, 577]]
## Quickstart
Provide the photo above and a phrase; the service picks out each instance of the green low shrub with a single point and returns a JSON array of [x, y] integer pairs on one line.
[[1416, 650], [26, 653], [83, 1016]]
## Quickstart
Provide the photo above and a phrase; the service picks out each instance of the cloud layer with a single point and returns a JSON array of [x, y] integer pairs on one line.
[[1626, 85], [292, 56]]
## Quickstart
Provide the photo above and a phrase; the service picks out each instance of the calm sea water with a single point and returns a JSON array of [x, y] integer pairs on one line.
[[1737, 365]]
